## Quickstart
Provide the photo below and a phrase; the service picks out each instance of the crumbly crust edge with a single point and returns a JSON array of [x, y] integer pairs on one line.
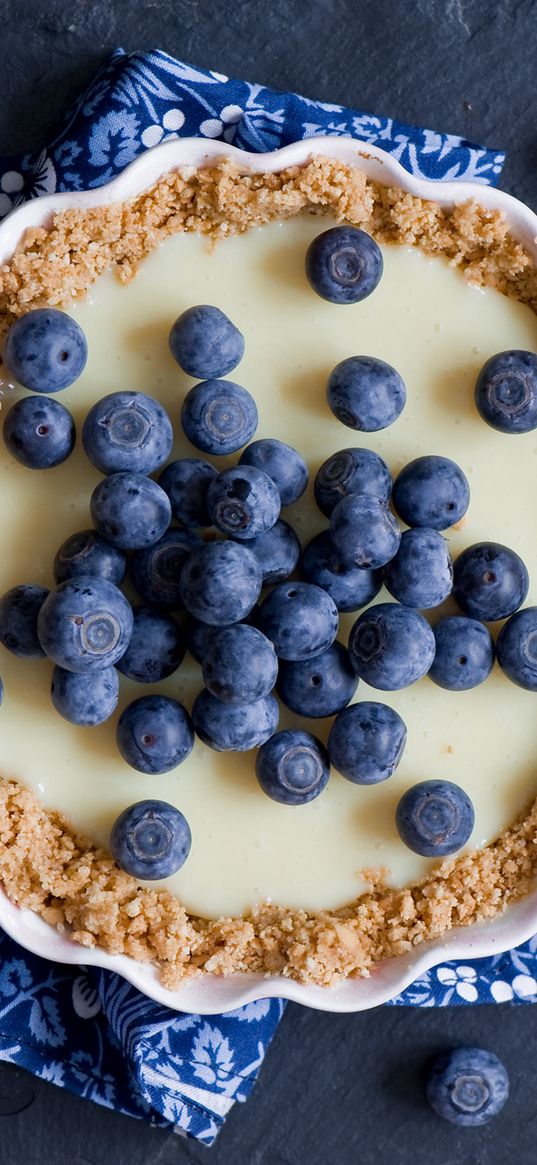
[[76, 887]]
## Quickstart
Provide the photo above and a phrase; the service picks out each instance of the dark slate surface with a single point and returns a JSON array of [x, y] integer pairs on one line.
[[334, 1089]]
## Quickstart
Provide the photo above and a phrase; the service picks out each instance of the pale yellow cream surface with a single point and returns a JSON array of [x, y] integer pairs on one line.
[[437, 331]]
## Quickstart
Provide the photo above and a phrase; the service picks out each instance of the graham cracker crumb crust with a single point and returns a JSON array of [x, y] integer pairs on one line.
[[47, 867]]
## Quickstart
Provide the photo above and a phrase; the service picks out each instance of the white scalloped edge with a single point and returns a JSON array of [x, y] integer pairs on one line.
[[209, 995]]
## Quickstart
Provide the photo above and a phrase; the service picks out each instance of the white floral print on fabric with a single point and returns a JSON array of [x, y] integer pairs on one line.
[[81, 1028]]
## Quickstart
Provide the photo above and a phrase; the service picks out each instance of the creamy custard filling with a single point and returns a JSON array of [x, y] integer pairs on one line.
[[437, 331]]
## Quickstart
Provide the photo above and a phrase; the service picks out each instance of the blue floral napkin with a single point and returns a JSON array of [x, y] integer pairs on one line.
[[84, 1029]]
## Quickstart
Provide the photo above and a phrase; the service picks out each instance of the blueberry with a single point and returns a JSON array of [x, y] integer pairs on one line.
[[431, 491], [300, 619], [205, 343], [154, 734], [219, 416], [130, 510], [277, 551], [127, 431], [351, 471], [239, 664], [366, 393], [156, 571], [490, 581], [506, 392], [156, 647], [320, 686], [435, 818], [366, 742], [45, 350], [363, 531], [464, 654], [467, 1086], [87, 553], [19, 609], [292, 767], [198, 635], [85, 625], [85, 699], [220, 583], [150, 840], [234, 727], [283, 464], [243, 502], [517, 648], [39, 432], [421, 574], [391, 646], [344, 264], [349, 586], [186, 482]]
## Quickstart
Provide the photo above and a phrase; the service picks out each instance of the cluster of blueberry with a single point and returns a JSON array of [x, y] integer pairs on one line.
[[287, 641]]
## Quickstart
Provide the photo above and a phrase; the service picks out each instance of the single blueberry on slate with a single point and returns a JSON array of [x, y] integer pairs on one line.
[[130, 510], [277, 550], [243, 502], [218, 416], [464, 654], [421, 573], [344, 265], [366, 393], [19, 610], [351, 471], [39, 432], [320, 686], [234, 727], [467, 1086], [363, 531], [239, 664], [283, 464], [349, 586], [220, 583], [300, 619], [431, 491], [150, 840], [435, 818], [292, 767], [186, 482], [506, 392], [45, 350], [366, 742], [85, 625], [87, 553], [391, 646], [490, 581], [127, 431], [205, 343], [154, 734], [85, 699], [517, 648], [156, 647], [156, 571], [198, 635]]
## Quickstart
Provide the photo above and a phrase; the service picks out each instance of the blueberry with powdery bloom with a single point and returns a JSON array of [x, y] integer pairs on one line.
[[344, 264], [156, 571], [431, 491], [350, 586], [435, 818], [421, 573], [301, 620], [45, 350], [19, 611], [366, 742], [234, 727], [39, 432], [364, 531], [517, 648], [221, 582], [239, 664], [87, 553], [205, 343], [464, 654], [85, 699], [366, 393], [277, 551], [186, 482], [150, 840], [490, 581], [292, 767], [243, 502], [283, 464], [154, 734], [130, 510], [391, 646], [155, 649], [219, 416], [506, 392], [467, 1086], [351, 471], [320, 686], [127, 431]]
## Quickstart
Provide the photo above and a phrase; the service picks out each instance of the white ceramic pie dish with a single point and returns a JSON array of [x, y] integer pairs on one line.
[[210, 995]]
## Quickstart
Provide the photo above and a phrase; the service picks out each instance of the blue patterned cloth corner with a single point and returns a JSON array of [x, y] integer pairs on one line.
[[81, 1028]]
